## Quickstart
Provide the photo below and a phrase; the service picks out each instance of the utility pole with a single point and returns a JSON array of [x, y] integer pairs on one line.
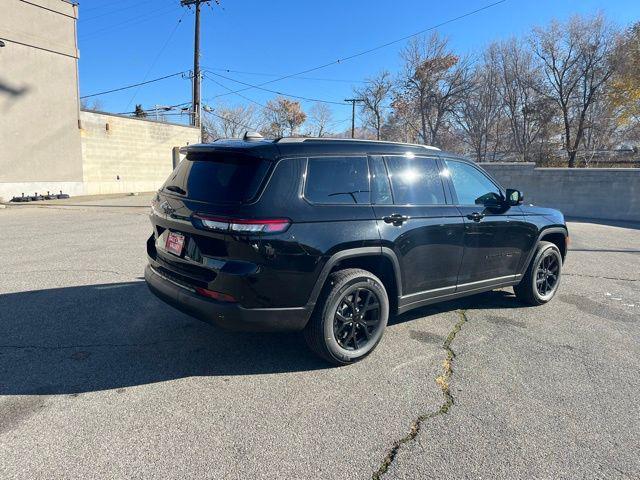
[[353, 113], [197, 78]]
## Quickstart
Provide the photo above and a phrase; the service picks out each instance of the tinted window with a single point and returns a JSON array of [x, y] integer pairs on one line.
[[380, 188], [415, 181], [337, 180], [471, 185], [217, 178]]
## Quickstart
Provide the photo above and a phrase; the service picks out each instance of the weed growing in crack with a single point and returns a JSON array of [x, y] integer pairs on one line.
[[442, 381]]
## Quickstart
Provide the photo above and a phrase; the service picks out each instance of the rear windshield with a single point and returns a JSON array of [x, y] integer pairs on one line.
[[217, 177]]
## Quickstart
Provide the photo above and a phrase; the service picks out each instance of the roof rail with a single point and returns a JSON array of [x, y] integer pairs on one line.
[[355, 140]]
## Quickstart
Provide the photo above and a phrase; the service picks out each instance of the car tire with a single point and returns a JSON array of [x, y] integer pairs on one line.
[[545, 266], [349, 318]]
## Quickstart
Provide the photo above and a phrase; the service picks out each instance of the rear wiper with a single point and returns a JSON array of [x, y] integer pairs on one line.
[[177, 189], [352, 193]]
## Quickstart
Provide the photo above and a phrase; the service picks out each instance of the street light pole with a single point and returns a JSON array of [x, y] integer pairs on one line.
[[353, 113]]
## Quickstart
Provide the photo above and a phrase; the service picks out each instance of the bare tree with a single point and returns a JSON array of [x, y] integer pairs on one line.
[[576, 59], [210, 130], [320, 117], [480, 111], [433, 83], [402, 123], [528, 112], [229, 122], [282, 117], [374, 94], [92, 105]]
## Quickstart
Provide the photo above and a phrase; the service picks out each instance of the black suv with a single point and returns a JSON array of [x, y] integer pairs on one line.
[[332, 236]]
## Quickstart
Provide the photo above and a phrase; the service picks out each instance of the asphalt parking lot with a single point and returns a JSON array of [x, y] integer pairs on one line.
[[99, 379]]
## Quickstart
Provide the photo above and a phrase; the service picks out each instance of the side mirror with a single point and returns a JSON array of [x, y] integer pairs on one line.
[[514, 197], [490, 199]]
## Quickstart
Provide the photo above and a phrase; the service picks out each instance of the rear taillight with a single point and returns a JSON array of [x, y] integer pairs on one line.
[[221, 297], [238, 225]]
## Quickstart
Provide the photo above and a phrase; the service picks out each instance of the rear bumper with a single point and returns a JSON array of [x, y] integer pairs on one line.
[[229, 316]]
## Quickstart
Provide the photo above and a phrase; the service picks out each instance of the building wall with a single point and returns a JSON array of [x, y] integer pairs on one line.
[[600, 193], [46, 143], [39, 136], [124, 154]]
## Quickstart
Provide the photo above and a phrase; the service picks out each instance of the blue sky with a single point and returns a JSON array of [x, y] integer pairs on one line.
[[127, 41]]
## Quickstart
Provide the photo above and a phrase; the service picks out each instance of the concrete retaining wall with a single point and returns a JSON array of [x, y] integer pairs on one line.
[[601, 193], [124, 154]]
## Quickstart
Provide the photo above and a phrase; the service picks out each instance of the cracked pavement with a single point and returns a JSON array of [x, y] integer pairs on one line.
[[98, 379]]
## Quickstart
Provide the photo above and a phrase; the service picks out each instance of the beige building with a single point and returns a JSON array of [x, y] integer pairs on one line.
[[43, 134]]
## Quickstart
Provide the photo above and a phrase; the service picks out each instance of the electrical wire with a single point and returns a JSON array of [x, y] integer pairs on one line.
[[373, 49], [98, 7], [170, 107], [248, 127], [118, 10], [127, 23], [275, 91], [283, 77], [134, 85], [238, 94], [243, 72], [153, 64]]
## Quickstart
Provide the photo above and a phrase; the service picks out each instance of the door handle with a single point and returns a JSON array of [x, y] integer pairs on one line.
[[396, 219], [475, 216]]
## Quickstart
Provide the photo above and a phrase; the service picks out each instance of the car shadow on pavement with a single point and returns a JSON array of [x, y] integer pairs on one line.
[[98, 337]]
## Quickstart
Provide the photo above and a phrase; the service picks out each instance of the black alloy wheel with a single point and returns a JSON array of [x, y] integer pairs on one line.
[[547, 273], [357, 318], [542, 277], [350, 317]]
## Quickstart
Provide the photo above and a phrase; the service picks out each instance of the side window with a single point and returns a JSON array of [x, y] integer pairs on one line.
[[415, 181], [342, 180], [380, 188], [472, 186]]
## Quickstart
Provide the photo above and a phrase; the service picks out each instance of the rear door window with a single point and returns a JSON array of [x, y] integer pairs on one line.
[[415, 181], [216, 177], [337, 180]]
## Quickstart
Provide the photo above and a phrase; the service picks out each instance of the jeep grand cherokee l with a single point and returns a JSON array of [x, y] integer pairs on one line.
[[332, 236]]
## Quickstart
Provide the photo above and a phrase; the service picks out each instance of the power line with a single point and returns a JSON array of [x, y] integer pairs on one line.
[[153, 109], [249, 127], [153, 64], [237, 93], [264, 74], [98, 7], [365, 52], [117, 10], [129, 22], [275, 91], [134, 85]]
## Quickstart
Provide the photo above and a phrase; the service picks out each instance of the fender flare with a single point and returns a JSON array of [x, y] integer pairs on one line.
[[353, 253], [541, 234]]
